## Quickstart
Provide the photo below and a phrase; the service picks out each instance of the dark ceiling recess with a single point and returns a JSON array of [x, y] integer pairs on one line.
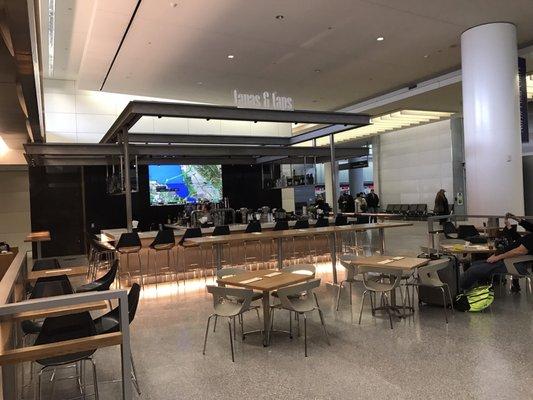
[[120, 44], [20, 83]]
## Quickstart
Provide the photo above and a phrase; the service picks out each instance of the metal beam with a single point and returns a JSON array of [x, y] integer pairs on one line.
[[208, 139], [136, 109], [320, 132], [72, 149]]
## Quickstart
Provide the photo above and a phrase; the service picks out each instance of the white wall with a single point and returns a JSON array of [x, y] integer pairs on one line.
[[84, 116], [415, 163], [15, 206]]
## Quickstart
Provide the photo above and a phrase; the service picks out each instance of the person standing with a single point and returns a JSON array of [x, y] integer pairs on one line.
[[441, 206], [372, 201]]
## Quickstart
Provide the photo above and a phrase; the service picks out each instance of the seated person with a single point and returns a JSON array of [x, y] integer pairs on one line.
[[482, 271]]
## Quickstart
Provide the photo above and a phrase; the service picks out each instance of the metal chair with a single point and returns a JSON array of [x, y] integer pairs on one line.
[[189, 234], [296, 255], [67, 327], [378, 286], [255, 244], [225, 304], [102, 283], [110, 322], [164, 241], [301, 300], [347, 262], [101, 256], [129, 243], [512, 271], [428, 276]]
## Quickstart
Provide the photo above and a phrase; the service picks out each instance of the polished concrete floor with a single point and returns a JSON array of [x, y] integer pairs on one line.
[[476, 356]]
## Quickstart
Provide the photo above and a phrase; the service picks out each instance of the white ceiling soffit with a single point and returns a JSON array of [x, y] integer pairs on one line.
[[322, 53]]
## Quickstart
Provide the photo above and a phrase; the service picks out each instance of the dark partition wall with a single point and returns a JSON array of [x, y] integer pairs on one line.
[[56, 202]]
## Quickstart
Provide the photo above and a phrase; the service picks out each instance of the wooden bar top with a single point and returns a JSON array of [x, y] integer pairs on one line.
[[406, 263], [265, 283], [56, 311], [40, 236], [290, 233], [69, 271]]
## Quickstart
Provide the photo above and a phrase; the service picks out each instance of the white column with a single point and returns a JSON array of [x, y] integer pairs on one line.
[[493, 150], [328, 184]]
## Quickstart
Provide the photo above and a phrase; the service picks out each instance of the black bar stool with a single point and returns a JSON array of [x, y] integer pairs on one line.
[[222, 230], [301, 224], [189, 234], [321, 222], [341, 220], [255, 244], [164, 241], [128, 244], [279, 226]]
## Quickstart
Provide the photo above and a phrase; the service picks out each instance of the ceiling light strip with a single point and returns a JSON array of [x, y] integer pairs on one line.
[[51, 35]]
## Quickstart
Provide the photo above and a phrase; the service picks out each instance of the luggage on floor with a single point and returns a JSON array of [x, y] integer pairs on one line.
[[476, 299], [448, 275]]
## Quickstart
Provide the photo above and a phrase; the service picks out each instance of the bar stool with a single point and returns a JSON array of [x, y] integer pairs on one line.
[[164, 241], [279, 226], [341, 220], [255, 244], [129, 243], [101, 256], [320, 223], [189, 234], [222, 230], [301, 224]]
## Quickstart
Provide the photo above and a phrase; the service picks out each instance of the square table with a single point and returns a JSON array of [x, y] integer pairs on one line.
[[38, 237], [265, 284], [69, 271]]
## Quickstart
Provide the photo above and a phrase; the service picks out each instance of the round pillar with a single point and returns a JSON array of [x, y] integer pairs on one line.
[[493, 148]]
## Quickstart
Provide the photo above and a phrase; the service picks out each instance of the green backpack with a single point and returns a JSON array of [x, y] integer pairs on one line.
[[476, 299]]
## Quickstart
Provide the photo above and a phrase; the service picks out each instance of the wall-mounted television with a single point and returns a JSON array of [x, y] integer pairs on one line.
[[183, 184]]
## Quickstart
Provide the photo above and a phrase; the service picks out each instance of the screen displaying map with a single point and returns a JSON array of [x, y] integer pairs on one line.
[[182, 184]]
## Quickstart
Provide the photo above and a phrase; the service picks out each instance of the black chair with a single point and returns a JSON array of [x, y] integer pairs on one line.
[[413, 210], [389, 209], [466, 231], [222, 230], [396, 208], [164, 241], [449, 230], [67, 327], [130, 243], [101, 255], [257, 245], [302, 224], [341, 220], [46, 263], [110, 322], [281, 226], [51, 286], [321, 222], [404, 208], [198, 266], [102, 283]]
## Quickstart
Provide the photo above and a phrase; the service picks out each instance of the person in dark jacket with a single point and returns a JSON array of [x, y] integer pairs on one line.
[[482, 271], [372, 202], [441, 206]]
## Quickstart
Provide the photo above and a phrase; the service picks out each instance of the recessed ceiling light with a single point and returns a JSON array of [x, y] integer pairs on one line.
[[280, 16], [199, 83], [380, 39], [230, 56], [426, 55]]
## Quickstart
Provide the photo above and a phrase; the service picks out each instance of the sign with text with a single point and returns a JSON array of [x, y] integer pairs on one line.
[[267, 100]]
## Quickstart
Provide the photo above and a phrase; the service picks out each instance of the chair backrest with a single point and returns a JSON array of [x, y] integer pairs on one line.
[[51, 286], [448, 228], [190, 233], [221, 230], [165, 236], [287, 295], [396, 208], [370, 283], [341, 220], [389, 208], [105, 281], [253, 226], [346, 261], [129, 239], [511, 263], [224, 299], [422, 208], [404, 207], [304, 269], [301, 224], [321, 222], [413, 207], [428, 274], [114, 314], [221, 273], [466, 231], [281, 226], [66, 327]]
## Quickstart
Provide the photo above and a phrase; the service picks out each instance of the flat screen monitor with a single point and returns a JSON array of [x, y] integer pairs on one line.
[[182, 184]]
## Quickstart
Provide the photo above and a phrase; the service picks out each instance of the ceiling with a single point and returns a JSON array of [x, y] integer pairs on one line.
[[324, 54]]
